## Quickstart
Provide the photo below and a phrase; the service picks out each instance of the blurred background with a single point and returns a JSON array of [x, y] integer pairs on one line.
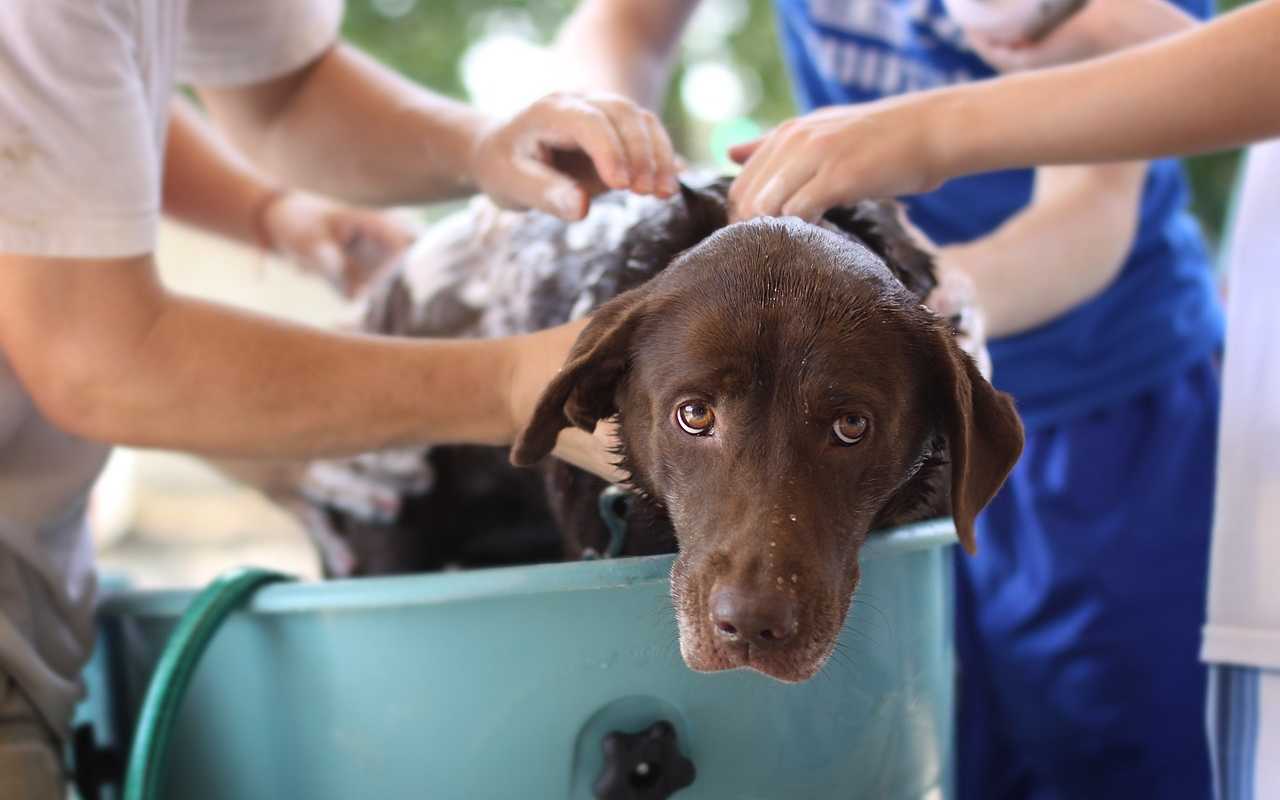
[[169, 520]]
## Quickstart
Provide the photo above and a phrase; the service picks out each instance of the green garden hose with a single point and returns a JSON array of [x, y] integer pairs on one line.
[[173, 672]]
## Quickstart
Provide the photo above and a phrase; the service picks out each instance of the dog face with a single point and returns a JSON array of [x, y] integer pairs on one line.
[[776, 387]]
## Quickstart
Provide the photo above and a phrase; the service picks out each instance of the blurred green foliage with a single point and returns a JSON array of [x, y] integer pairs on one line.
[[426, 39]]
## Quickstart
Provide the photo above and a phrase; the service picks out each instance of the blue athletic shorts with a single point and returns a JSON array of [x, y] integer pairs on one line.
[[1078, 621]]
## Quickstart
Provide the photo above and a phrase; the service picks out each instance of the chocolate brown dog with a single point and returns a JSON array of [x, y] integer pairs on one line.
[[780, 391]]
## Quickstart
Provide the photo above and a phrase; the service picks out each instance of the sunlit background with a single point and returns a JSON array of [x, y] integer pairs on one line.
[[728, 85], [167, 519]]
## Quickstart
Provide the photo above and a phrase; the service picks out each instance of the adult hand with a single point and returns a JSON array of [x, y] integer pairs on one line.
[[348, 247], [532, 362], [837, 155], [567, 147]]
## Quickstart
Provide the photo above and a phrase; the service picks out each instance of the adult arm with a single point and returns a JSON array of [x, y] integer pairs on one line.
[[206, 183], [624, 46], [348, 127], [1204, 89], [209, 185], [107, 353]]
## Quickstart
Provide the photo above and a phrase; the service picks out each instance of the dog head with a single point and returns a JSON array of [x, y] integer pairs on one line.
[[776, 387]]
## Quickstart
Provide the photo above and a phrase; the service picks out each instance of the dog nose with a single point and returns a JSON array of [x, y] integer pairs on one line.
[[751, 617]]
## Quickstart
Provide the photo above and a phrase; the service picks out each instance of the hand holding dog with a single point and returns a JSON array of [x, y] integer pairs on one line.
[[534, 360], [348, 247], [567, 147], [836, 156]]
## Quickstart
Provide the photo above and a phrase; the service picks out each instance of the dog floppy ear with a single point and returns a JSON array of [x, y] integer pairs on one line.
[[583, 392], [983, 432]]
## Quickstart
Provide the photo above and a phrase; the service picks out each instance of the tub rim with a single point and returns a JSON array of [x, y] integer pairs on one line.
[[489, 583]]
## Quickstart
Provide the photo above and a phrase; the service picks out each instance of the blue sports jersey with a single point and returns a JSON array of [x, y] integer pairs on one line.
[[1161, 313]]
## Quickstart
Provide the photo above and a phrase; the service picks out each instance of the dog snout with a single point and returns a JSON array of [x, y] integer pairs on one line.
[[754, 618]]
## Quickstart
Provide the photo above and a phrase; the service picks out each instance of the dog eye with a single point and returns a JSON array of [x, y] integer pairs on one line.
[[695, 418], [849, 429]]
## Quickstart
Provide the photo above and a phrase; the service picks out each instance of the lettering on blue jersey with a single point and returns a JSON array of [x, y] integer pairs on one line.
[[896, 24], [872, 69], [882, 48]]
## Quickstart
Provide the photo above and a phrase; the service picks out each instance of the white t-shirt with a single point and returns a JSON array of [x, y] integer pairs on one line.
[[85, 87], [1244, 576]]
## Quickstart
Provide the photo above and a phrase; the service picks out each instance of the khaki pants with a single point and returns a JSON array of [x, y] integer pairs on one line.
[[30, 760]]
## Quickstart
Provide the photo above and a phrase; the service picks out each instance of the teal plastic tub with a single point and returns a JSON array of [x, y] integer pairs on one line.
[[503, 683]]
